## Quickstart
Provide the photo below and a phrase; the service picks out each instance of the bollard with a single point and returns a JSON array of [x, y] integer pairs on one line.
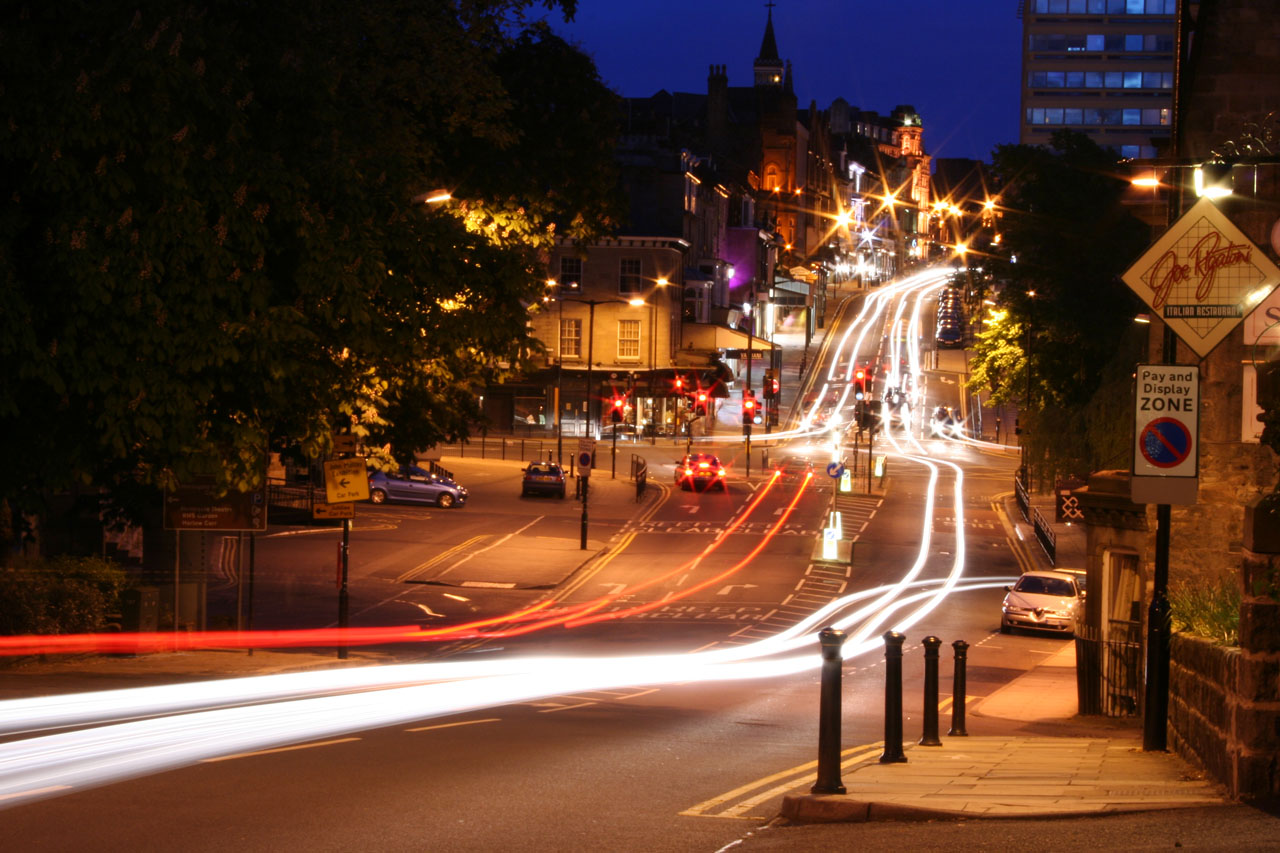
[[958, 697], [829, 715], [893, 698], [930, 736]]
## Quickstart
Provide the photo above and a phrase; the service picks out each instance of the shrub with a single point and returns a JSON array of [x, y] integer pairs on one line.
[[59, 595], [1209, 609]]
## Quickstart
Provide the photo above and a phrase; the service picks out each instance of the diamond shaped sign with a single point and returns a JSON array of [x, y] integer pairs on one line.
[[1202, 277]]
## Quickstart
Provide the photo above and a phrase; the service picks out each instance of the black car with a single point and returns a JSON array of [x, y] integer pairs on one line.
[[542, 478]]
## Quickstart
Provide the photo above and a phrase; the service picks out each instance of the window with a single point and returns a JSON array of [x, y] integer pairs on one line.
[[1133, 79], [1075, 79], [571, 273], [1094, 43], [629, 276], [1093, 79], [1072, 116], [1132, 116], [1134, 42], [628, 340], [571, 339], [1155, 116]]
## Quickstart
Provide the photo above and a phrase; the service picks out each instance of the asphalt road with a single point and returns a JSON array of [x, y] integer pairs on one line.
[[693, 766]]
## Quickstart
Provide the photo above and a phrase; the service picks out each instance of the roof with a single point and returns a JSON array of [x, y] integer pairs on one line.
[[769, 46]]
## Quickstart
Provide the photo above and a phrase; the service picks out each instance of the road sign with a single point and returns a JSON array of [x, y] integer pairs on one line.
[[345, 480], [342, 510], [1166, 420], [344, 442], [586, 450], [198, 507], [1202, 277], [835, 470]]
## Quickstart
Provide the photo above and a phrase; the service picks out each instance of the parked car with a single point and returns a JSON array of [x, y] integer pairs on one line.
[[1046, 601], [411, 484], [700, 470], [949, 335], [546, 478]]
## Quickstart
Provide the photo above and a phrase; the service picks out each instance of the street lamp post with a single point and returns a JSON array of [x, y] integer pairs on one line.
[[1030, 323]]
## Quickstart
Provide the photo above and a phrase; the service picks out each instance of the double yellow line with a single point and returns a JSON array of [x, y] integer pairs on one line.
[[441, 557], [580, 579], [760, 791]]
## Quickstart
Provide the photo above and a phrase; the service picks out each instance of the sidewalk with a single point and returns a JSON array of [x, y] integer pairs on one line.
[[1018, 775]]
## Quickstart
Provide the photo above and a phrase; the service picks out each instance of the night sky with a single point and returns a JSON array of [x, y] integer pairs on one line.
[[956, 61]]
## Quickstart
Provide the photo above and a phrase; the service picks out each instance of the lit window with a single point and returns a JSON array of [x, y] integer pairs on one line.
[[570, 338], [628, 340]]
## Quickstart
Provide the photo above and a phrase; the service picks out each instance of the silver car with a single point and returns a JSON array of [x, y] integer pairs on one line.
[[1046, 601]]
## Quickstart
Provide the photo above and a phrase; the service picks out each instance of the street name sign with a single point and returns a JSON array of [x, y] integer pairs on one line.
[[1166, 426], [1202, 277], [198, 507], [345, 480]]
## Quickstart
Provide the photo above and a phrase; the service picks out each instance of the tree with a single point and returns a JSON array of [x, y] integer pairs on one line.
[[212, 239], [1065, 239]]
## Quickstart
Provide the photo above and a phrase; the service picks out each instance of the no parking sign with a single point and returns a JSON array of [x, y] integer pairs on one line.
[[1165, 450]]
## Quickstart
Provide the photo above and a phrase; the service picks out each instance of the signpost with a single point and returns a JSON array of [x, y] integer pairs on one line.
[[586, 451], [345, 481], [1166, 418], [1201, 278], [197, 506]]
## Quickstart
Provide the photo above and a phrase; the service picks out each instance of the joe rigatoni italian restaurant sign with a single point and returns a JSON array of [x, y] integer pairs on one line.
[[1203, 277]]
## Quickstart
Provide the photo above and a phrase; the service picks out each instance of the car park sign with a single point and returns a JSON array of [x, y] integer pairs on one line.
[[1166, 422]]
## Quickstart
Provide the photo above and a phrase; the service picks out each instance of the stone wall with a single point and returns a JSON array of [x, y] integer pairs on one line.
[[1224, 703]]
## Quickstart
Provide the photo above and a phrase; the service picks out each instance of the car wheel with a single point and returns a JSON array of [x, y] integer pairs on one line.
[[377, 496], [1005, 628], [445, 500]]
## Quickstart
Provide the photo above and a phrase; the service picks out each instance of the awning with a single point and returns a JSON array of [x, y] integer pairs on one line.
[[791, 286], [705, 336]]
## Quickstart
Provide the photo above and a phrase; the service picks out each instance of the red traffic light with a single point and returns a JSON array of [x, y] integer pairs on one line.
[[860, 374], [749, 404], [617, 402], [702, 396]]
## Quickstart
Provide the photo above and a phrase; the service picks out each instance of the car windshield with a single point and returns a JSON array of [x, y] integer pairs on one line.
[[1039, 585]]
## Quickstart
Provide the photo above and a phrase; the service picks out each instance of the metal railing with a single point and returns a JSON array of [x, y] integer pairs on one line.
[[1024, 500], [1109, 672], [1045, 535], [491, 447]]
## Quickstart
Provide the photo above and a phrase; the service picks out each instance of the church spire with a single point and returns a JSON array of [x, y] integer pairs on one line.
[[768, 66]]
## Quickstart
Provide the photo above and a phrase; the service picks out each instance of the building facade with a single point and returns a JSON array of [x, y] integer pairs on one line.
[[1101, 67]]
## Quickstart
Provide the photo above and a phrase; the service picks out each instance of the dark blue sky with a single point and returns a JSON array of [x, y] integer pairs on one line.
[[956, 61]]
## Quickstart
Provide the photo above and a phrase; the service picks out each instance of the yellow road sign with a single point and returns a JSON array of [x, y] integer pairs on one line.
[[342, 510], [345, 480]]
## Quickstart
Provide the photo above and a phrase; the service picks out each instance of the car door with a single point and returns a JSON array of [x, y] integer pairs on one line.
[[421, 486]]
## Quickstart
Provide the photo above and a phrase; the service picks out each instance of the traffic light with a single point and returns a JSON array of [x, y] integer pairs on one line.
[[771, 386], [749, 407], [702, 403], [619, 405], [860, 384], [679, 385]]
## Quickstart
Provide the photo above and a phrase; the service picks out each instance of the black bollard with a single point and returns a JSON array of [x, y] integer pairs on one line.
[[893, 698], [958, 697], [829, 715], [930, 736]]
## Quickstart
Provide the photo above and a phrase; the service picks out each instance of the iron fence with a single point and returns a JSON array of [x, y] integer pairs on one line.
[[1109, 672]]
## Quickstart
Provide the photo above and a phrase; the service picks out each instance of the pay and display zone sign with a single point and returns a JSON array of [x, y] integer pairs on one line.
[[1166, 425]]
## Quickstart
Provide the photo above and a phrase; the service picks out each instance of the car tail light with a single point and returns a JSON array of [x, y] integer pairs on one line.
[[688, 471], [720, 473], [704, 464]]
